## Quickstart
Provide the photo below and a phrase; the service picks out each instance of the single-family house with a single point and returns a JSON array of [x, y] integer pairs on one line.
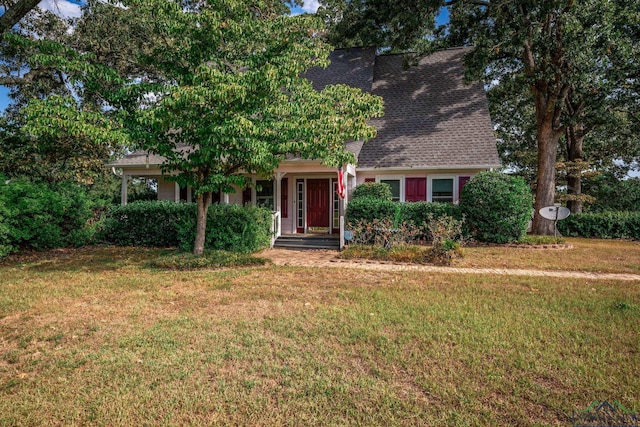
[[435, 134]]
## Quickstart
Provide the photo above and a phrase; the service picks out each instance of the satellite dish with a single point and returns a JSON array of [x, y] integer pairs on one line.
[[554, 213]]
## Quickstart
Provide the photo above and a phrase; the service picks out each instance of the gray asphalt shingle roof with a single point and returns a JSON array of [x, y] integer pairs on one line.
[[432, 119], [353, 67]]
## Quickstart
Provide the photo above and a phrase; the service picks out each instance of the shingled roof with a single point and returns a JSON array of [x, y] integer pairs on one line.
[[432, 119]]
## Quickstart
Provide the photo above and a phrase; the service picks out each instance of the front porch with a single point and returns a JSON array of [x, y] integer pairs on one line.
[[302, 194]]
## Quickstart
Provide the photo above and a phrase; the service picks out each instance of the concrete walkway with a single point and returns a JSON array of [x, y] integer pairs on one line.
[[322, 258]]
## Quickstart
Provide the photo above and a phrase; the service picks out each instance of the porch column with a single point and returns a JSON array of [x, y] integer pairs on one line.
[[277, 202], [225, 198], [277, 199], [123, 190], [176, 192]]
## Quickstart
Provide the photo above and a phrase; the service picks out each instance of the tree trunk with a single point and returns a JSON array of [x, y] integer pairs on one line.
[[547, 140], [15, 13], [575, 139], [203, 201]]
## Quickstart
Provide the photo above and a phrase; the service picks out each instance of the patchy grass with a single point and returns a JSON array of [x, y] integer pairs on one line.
[[406, 254], [94, 337], [411, 254], [591, 255], [210, 259], [541, 240]]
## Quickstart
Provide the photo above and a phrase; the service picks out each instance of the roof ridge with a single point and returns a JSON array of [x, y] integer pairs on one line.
[[431, 53]]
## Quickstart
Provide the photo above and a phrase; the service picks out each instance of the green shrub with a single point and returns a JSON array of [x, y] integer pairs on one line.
[[166, 224], [375, 190], [602, 225], [41, 216], [497, 207], [421, 213], [233, 228], [145, 223], [369, 208]]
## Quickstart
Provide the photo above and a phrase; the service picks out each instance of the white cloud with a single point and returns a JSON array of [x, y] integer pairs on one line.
[[62, 8], [311, 6]]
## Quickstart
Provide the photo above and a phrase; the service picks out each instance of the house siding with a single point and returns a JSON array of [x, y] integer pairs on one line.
[[166, 189], [456, 175]]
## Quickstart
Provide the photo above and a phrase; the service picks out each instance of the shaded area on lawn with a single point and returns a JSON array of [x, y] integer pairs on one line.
[[309, 346]]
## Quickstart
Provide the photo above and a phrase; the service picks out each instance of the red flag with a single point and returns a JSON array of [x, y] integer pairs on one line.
[[341, 190]]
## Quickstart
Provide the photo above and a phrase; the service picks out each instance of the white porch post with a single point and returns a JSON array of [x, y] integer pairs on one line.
[[350, 181], [278, 199], [176, 192], [226, 198], [123, 190]]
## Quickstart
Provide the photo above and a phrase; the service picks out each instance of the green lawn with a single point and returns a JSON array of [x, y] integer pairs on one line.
[[95, 337]]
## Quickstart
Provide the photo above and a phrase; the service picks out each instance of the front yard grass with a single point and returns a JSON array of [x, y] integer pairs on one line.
[[591, 255], [96, 337]]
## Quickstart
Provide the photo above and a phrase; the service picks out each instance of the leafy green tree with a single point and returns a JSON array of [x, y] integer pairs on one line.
[[57, 128], [230, 98], [394, 25], [553, 49]]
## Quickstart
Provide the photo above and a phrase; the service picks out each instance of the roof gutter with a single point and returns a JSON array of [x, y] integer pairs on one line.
[[402, 168]]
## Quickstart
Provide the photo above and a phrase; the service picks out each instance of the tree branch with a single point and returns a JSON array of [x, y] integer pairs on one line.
[[15, 13], [473, 2]]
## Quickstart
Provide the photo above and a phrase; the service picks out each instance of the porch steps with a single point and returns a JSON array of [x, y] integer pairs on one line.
[[306, 241]]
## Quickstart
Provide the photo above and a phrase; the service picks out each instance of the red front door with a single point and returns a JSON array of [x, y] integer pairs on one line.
[[318, 203]]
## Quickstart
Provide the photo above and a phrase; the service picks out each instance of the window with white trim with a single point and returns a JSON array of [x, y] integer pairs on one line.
[[397, 186], [442, 188]]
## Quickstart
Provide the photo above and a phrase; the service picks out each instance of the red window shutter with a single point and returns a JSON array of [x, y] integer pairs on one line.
[[369, 180], [284, 197], [415, 189], [462, 181]]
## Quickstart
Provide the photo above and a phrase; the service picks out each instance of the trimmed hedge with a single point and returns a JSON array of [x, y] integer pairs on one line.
[[145, 223], [376, 190], [497, 207], [167, 224], [602, 225], [369, 208], [234, 228], [41, 216], [419, 214]]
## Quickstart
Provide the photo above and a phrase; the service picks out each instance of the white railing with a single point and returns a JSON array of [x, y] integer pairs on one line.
[[275, 227]]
